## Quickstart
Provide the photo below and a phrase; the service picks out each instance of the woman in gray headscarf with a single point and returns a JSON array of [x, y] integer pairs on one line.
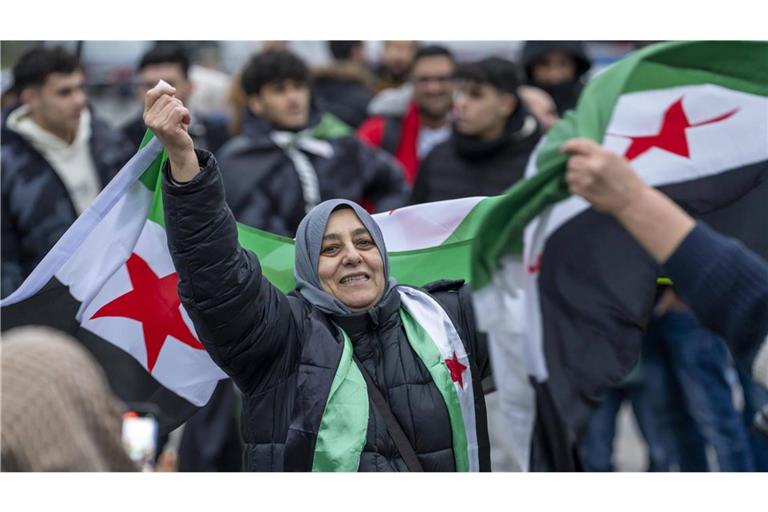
[[310, 363]]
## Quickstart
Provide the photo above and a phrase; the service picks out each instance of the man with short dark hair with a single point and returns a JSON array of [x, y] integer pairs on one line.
[[170, 62], [426, 121], [345, 87], [291, 156], [56, 158], [493, 136]]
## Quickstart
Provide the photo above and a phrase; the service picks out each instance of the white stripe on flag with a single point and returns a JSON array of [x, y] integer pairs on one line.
[[70, 242], [424, 225], [188, 372]]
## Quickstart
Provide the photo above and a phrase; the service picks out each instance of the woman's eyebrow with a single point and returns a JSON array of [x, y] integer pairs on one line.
[[331, 236], [360, 231]]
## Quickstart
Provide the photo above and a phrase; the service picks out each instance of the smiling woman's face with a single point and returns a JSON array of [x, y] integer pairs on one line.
[[350, 266]]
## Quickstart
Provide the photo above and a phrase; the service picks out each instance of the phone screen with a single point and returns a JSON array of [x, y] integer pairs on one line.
[[140, 438]]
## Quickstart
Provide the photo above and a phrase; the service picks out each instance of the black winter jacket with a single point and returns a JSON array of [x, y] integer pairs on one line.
[[465, 166], [264, 191], [269, 344], [36, 207]]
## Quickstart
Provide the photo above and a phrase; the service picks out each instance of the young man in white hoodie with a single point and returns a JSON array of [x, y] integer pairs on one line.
[[56, 158]]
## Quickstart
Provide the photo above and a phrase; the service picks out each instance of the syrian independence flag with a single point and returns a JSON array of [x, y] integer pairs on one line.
[[563, 291]]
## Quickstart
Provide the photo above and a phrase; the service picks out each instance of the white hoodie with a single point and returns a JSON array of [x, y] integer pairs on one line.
[[72, 162]]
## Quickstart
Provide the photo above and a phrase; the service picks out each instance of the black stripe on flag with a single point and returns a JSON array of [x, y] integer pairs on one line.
[[54, 306], [597, 287]]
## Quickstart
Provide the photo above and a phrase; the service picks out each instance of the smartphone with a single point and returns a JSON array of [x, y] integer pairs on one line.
[[140, 436]]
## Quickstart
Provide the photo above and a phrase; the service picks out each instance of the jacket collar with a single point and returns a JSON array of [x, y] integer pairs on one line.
[[520, 126], [382, 315]]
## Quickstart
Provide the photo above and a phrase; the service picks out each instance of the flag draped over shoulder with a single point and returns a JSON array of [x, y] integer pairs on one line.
[[562, 290]]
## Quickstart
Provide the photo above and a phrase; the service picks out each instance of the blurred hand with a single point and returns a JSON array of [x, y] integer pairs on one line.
[[669, 301], [540, 104], [602, 177], [167, 462]]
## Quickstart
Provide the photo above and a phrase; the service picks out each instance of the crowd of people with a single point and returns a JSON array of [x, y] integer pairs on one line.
[[311, 154]]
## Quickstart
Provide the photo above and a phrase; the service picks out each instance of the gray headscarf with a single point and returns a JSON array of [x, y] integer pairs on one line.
[[309, 240]]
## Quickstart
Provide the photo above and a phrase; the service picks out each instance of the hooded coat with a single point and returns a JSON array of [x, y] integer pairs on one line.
[[565, 94], [282, 351]]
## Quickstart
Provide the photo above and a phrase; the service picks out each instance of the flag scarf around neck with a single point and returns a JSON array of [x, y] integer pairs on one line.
[[562, 291], [434, 339]]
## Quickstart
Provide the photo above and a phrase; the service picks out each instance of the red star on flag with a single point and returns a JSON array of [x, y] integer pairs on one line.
[[456, 369], [154, 301], [671, 137]]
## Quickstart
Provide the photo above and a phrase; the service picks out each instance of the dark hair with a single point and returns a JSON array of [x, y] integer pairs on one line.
[[432, 50], [270, 67], [342, 50], [166, 54], [34, 66], [495, 71]]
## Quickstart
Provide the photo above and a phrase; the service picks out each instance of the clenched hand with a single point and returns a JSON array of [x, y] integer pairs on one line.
[[169, 119]]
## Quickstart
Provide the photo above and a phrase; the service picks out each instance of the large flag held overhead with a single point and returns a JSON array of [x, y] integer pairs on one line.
[[567, 310], [692, 118]]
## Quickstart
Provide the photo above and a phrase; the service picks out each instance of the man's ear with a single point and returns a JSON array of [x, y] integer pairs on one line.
[[255, 105], [508, 103], [29, 95]]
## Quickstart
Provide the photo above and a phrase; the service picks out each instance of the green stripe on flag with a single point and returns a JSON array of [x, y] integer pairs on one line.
[[150, 177]]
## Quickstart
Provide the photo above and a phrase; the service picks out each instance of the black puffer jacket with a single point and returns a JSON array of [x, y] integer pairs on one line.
[[465, 166], [36, 207], [269, 344], [264, 191]]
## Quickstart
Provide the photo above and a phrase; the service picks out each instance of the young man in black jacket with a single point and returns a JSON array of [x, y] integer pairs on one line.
[[56, 158], [291, 156], [493, 136], [170, 62]]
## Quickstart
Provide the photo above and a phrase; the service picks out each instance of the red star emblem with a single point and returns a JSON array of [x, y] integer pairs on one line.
[[672, 136], [456, 369], [154, 301]]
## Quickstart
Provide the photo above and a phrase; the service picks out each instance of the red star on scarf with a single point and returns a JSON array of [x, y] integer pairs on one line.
[[456, 369], [154, 301], [671, 137]]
